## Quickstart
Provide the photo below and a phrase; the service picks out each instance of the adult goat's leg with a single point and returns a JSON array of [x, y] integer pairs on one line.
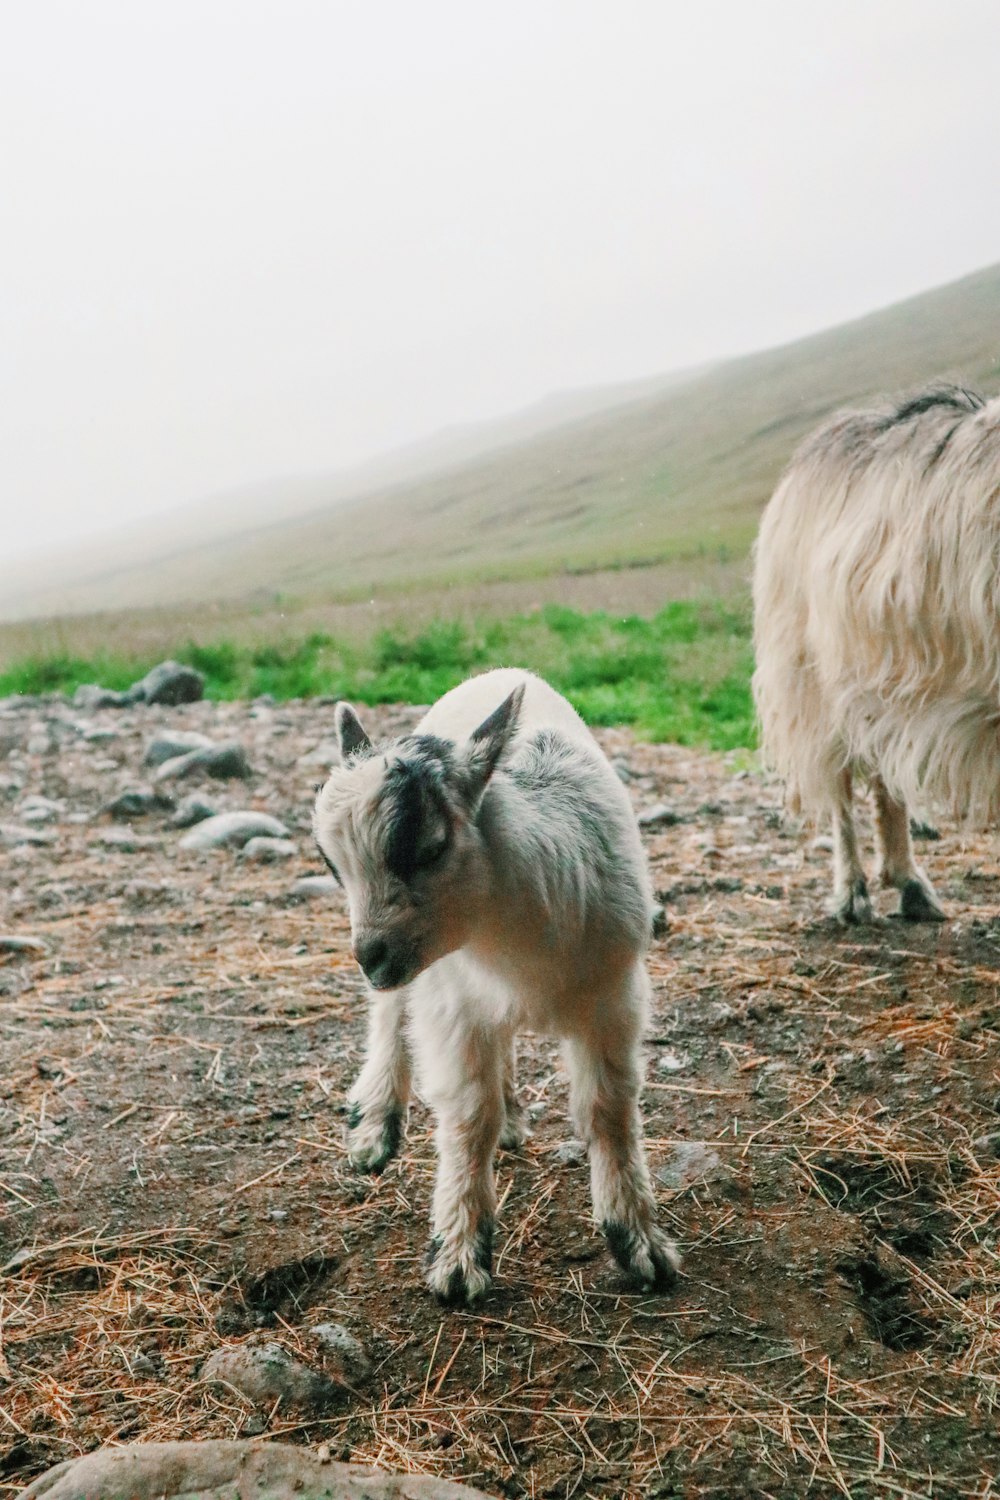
[[377, 1102], [515, 1126], [605, 1079], [851, 902], [897, 867]]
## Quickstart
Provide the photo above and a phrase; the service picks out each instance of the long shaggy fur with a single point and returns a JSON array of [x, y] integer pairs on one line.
[[877, 606]]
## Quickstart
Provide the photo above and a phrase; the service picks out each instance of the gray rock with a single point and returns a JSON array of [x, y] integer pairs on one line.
[[15, 835], [312, 886], [266, 1373], [232, 830], [40, 810], [137, 802], [193, 809], [169, 743], [570, 1153], [125, 841], [222, 1469], [658, 816], [11, 943], [224, 762], [169, 683], [267, 851], [691, 1161], [349, 1351], [987, 1145], [91, 696]]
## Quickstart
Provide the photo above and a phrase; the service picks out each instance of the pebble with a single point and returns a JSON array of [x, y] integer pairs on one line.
[[170, 743], [334, 1338], [691, 1161], [267, 851], [124, 840], [169, 683], [12, 943], [137, 802], [15, 835], [570, 1153], [266, 1373], [987, 1145], [224, 762], [315, 885], [232, 830], [40, 810], [658, 816], [193, 809]]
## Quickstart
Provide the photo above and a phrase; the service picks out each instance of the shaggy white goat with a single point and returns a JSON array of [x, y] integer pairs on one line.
[[877, 627], [496, 881]]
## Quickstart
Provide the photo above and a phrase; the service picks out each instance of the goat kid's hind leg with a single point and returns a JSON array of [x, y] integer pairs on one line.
[[377, 1102], [515, 1126], [605, 1078], [897, 867], [462, 1074], [851, 901]]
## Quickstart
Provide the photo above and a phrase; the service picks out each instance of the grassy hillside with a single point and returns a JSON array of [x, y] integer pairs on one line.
[[678, 474]]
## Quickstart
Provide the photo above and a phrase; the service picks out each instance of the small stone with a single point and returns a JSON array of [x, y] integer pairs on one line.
[[822, 845], [91, 696], [224, 762], [124, 840], [169, 683], [267, 851], [672, 1062], [11, 942], [312, 886], [658, 816], [570, 1153], [266, 1373], [232, 830], [335, 1339], [14, 835], [690, 1162], [137, 802], [40, 810], [193, 810], [172, 742], [143, 1365], [987, 1145]]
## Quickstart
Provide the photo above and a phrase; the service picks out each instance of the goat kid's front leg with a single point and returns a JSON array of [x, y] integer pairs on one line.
[[515, 1125], [462, 1072], [897, 867], [605, 1079], [851, 901], [377, 1102]]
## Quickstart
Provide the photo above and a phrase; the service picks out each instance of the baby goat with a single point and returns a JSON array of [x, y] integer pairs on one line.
[[496, 880]]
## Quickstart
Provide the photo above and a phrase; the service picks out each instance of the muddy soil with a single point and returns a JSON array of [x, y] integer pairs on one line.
[[822, 1114]]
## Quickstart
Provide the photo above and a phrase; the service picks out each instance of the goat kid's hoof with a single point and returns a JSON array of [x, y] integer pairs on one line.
[[853, 907], [918, 903], [650, 1259], [459, 1276], [373, 1137]]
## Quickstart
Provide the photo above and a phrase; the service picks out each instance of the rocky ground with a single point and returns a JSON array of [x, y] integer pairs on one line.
[[179, 1025]]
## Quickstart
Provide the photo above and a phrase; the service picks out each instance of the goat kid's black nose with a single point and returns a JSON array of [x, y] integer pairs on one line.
[[371, 954]]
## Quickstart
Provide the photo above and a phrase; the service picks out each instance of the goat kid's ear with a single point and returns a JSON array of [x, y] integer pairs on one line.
[[351, 736], [489, 743]]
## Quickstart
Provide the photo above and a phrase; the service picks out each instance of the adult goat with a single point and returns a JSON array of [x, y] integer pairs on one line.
[[877, 627]]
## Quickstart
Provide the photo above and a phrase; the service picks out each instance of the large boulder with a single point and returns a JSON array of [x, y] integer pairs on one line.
[[170, 682], [221, 1469]]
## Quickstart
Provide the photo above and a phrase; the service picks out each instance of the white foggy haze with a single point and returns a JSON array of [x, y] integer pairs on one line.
[[242, 240]]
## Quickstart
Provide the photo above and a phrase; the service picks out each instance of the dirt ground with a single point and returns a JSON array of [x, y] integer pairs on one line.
[[822, 1114]]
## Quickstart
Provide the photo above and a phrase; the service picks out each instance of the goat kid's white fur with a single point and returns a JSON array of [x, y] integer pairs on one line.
[[877, 627], [496, 881]]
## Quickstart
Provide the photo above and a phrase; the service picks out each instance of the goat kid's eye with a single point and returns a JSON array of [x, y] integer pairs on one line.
[[432, 855]]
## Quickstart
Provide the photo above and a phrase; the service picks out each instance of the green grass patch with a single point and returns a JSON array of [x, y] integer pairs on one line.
[[682, 675]]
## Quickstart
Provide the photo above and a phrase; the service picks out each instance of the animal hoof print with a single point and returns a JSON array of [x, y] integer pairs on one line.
[[917, 904], [650, 1259], [373, 1139]]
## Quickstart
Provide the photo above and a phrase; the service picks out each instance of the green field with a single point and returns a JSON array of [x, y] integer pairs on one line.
[[682, 675]]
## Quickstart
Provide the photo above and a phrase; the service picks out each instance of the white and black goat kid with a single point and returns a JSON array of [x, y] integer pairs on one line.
[[496, 882]]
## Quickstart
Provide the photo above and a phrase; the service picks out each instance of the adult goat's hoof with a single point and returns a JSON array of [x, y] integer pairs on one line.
[[651, 1259], [373, 1137], [853, 907], [918, 903]]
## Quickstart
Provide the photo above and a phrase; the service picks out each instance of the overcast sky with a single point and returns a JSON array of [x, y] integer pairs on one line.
[[249, 238]]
